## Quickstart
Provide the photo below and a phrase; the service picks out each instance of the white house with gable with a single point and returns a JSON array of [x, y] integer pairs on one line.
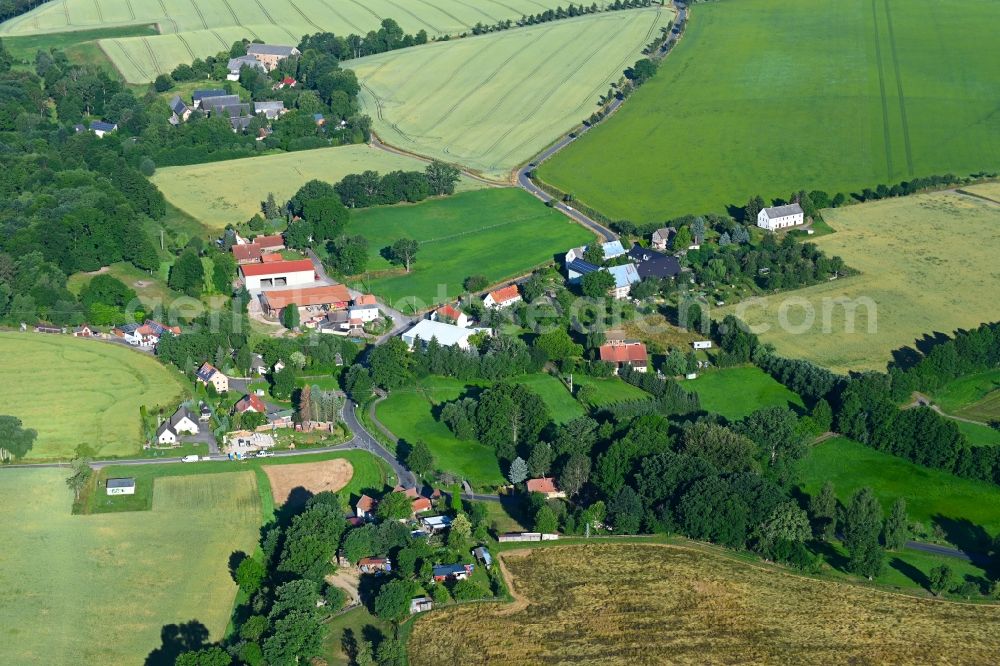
[[780, 217], [447, 335]]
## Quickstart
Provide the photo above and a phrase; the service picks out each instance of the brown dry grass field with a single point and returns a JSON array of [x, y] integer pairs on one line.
[[656, 604], [315, 477]]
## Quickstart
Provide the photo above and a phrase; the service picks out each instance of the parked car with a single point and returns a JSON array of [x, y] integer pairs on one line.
[[265, 454], [190, 458]]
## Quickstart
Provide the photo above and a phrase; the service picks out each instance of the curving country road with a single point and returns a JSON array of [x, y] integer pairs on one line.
[[522, 176]]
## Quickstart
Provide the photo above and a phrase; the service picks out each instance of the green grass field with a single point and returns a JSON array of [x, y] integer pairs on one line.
[[195, 30], [498, 233], [927, 263], [370, 474], [151, 290], [975, 397], [492, 102], [75, 391], [839, 96], [965, 509], [98, 589], [609, 390], [562, 406], [230, 192], [408, 413], [735, 392]]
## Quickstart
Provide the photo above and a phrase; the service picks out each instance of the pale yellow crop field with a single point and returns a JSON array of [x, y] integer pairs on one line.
[[491, 102], [928, 263], [230, 192]]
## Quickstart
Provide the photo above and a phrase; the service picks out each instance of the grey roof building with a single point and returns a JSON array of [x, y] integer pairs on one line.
[[270, 109], [652, 264], [272, 50], [199, 95], [784, 211]]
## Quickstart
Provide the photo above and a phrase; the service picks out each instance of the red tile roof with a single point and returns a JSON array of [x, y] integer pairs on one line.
[[365, 299], [278, 268], [542, 485], [330, 294], [269, 242], [251, 402], [506, 294], [366, 503], [627, 353], [249, 252], [271, 258], [421, 504], [450, 312]]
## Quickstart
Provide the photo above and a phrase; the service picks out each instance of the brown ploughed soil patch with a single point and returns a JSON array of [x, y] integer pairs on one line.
[[315, 477]]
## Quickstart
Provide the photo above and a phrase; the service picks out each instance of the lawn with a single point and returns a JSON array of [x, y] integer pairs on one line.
[[497, 233], [609, 390], [493, 101], [195, 30], [927, 263], [369, 475], [697, 606], [975, 397], [231, 192], [980, 435], [735, 392], [562, 405], [409, 414], [75, 391], [98, 589], [964, 509], [840, 96], [151, 290], [80, 46]]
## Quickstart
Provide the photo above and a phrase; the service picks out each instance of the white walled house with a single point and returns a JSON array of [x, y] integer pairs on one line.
[[780, 217], [447, 335], [278, 274], [365, 313], [123, 486]]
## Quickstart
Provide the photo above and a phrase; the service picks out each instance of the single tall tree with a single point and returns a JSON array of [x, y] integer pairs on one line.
[[518, 471], [290, 316], [823, 508], [79, 476], [15, 440], [862, 528], [896, 532], [404, 251]]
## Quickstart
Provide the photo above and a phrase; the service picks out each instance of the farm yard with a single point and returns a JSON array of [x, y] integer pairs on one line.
[[81, 392], [885, 91], [497, 233], [491, 102], [231, 192], [198, 29], [717, 609], [927, 263], [99, 588]]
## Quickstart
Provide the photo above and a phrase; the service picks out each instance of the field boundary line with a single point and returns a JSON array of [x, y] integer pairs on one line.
[[152, 56], [478, 9], [367, 9], [552, 93], [543, 60], [167, 16], [415, 17], [442, 11], [885, 102], [899, 90], [472, 91], [128, 56], [606, 82], [186, 46], [304, 17], [336, 12], [980, 197]]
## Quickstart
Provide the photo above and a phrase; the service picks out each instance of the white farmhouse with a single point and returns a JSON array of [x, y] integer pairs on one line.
[[278, 274], [780, 217], [447, 335]]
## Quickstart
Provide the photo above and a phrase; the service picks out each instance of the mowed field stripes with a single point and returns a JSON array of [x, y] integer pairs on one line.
[[491, 102], [842, 95], [198, 28]]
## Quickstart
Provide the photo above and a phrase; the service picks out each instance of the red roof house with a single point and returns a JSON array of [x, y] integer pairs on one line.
[[421, 504], [502, 298], [546, 486], [246, 254], [250, 403], [628, 353], [365, 299], [274, 242]]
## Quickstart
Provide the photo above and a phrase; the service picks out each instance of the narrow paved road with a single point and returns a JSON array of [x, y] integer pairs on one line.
[[946, 551], [521, 177]]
